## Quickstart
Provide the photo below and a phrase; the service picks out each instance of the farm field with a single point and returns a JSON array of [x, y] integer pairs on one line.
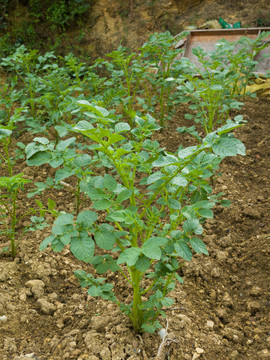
[[222, 307], [134, 181]]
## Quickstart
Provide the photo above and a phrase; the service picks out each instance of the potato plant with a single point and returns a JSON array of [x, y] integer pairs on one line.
[[154, 209]]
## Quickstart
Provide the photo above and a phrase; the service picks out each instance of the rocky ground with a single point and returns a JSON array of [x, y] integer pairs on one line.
[[220, 313]]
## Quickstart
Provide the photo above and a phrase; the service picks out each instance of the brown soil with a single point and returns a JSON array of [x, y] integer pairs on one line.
[[221, 311]]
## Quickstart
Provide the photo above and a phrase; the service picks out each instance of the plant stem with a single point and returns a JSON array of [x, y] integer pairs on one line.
[[136, 312]]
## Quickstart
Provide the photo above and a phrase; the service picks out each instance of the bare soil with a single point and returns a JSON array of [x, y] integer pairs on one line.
[[220, 313]]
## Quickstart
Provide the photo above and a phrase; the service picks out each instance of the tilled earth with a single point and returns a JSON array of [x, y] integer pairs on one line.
[[220, 313]]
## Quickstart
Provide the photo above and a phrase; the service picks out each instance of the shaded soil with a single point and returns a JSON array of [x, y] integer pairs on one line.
[[222, 310]]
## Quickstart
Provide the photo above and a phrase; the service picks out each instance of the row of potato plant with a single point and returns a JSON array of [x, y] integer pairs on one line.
[[155, 201]]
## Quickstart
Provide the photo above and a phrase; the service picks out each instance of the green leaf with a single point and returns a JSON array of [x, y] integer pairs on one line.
[[63, 144], [39, 158], [241, 149], [154, 177], [198, 246], [174, 204], [64, 219], [46, 242], [102, 204], [167, 301], [183, 250], [93, 291], [184, 153], [62, 174], [51, 204], [42, 140], [151, 328], [192, 225], [166, 160], [105, 239], [206, 213], [129, 256], [58, 229], [225, 203], [122, 126], [151, 248], [118, 215], [83, 126], [179, 181], [95, 194], [82, 247], [86, 218], [143, 263], [225, 147], [104, 263], [57, 244], [82, 160], [123, 195], [110, 183], [114, 138]]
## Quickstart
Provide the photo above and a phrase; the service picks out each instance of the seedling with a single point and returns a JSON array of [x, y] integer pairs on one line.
[[9, 189], [66, 159]]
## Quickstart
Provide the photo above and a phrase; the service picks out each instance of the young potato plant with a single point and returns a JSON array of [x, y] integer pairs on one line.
[[67, 160], [208, 89], [6, 141], [147, 211], [213, 87], [10, 186], [137, 82]]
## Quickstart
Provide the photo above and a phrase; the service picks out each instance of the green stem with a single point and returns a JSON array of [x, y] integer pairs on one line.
[[137, 319]]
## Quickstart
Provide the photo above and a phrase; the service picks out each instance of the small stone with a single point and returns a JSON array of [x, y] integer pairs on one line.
[[234, 355], [52, 297], [210, 324], [255, 291], [226, 241], [105, 354], [3, 319], [252, 213], [195, 356], [232, 334], [38, 291], [4, 275], [249, 342], [227, 300], [32, 283], [120, 329], [253, 307], [185, 321], [46, 307], [222, 255], [236, 339], [264, 354], [23, 296], [199, 350], [76, 353], [99, 323], [24, 319], [222, 313], [215, 273], [10, 345], [213, 295]]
